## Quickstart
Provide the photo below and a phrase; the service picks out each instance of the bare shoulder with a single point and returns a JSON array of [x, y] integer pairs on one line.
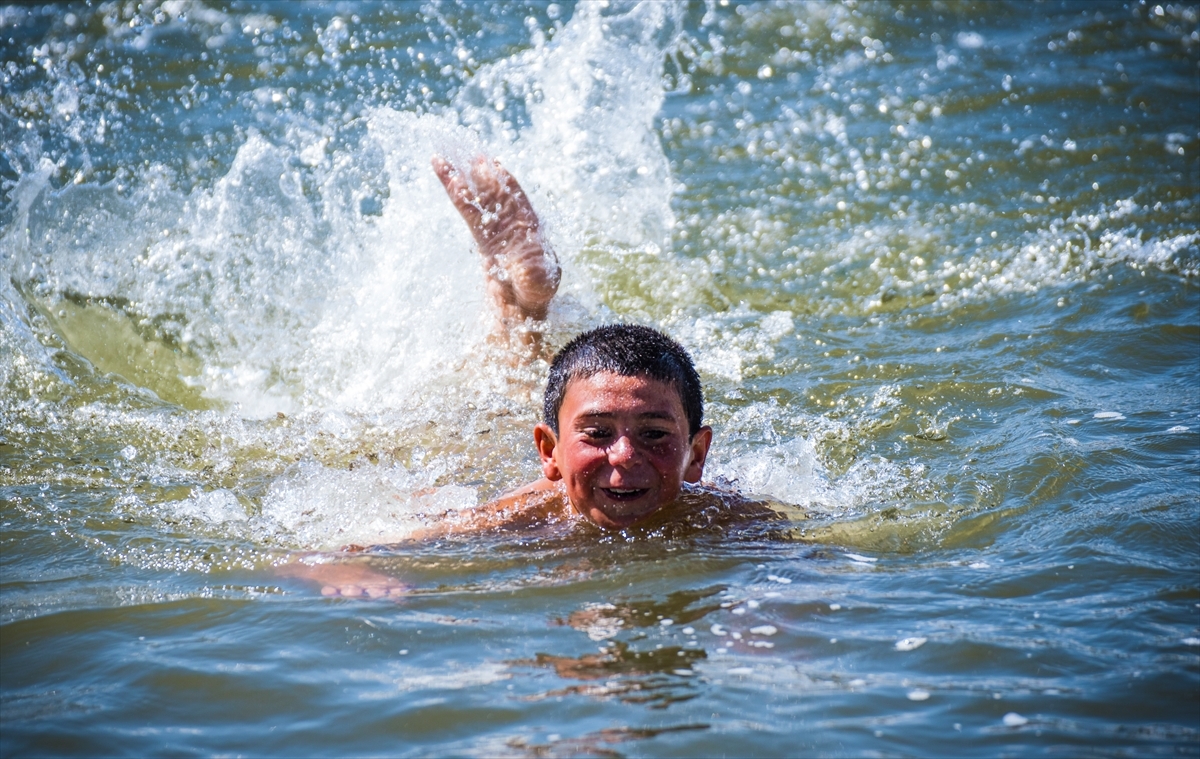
[[538, 487], [537, 504], [711, 505]]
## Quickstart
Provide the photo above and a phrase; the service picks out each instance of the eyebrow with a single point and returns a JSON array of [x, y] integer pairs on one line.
[[644, 415]]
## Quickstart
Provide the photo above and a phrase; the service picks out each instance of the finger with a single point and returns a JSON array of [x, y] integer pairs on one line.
[[510, 190], [451, 178], [329, 590], [509, 183], [445, 172], [375, 591], [487, 182], [457, 188], [351, 590]]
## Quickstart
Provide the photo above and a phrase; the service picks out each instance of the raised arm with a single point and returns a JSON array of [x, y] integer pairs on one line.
[[522, 269]]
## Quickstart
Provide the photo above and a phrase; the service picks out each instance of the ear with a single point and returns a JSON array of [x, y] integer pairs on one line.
[[700, 443], [546, 441]]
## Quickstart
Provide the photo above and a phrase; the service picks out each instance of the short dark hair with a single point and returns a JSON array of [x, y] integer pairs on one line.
[[629, 350]]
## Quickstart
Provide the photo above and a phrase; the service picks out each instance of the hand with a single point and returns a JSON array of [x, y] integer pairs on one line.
[[348, 579], [522, 269]]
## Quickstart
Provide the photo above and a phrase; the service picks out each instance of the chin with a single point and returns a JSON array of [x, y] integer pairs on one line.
[[618, 521]]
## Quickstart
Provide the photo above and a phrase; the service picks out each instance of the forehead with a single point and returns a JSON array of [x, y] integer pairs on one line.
[[606, 393]]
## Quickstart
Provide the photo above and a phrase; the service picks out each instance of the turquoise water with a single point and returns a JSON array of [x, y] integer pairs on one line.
[[938, 265]]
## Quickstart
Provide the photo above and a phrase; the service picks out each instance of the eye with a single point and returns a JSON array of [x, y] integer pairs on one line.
[[596, 433], [655, 434]]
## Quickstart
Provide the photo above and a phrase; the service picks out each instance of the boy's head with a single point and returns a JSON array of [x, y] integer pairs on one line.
[[623, 423], [629, 350]]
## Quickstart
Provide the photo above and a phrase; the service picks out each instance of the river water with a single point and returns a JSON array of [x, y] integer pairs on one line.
[[938, 265]]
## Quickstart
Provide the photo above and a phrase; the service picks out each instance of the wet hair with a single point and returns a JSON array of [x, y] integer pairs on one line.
[[629, 350]]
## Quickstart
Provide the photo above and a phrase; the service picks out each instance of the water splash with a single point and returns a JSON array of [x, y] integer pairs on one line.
[[325, 268]]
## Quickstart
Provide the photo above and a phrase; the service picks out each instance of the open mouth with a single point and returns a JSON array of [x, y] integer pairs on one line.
[[625, 494]]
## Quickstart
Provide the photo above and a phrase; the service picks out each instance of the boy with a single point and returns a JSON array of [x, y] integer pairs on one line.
[[622, 440]]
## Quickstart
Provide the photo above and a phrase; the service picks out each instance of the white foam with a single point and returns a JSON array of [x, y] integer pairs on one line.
[[860, 559], [789, 471], [910, 644], [213, 507], [592, 96], [727, 344], [329, 508], [293, 297], [969, 40], [403, 678]]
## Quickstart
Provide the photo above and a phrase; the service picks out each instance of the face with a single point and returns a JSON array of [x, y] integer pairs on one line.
[[622, 449]]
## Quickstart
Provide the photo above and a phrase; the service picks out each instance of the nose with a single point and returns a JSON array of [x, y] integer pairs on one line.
[[621, 452]]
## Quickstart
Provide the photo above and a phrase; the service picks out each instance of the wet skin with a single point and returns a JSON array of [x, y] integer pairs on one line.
[[622, 454], [521, 268], [623, 450]]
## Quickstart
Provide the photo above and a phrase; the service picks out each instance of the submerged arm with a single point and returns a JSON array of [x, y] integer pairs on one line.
[[339, 577], [538, 503]]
